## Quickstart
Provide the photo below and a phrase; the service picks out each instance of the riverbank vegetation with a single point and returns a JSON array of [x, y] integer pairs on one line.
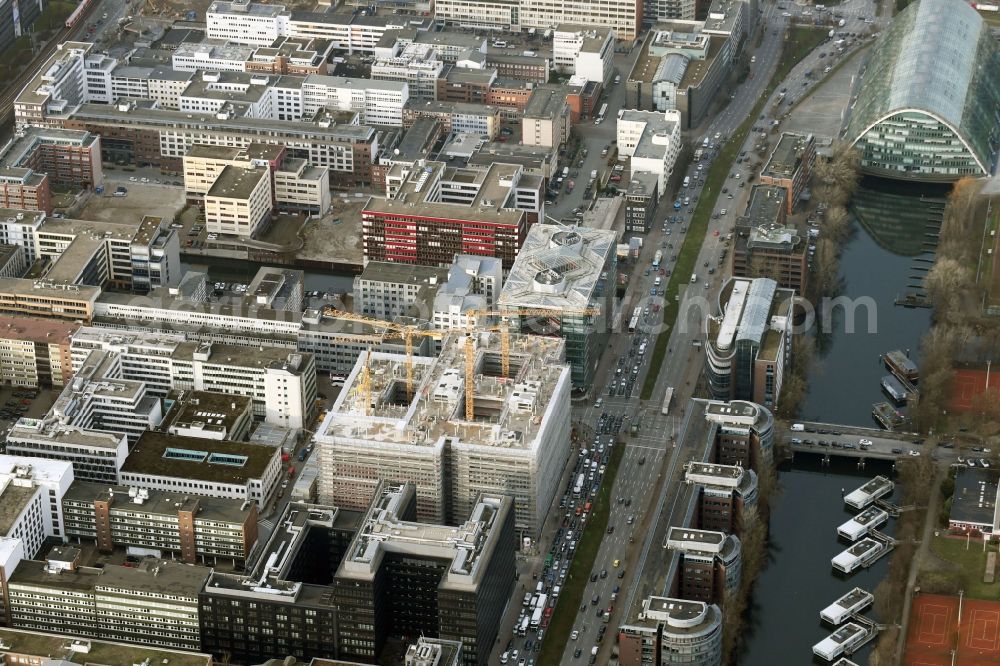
[[832, 184], [961, 333]]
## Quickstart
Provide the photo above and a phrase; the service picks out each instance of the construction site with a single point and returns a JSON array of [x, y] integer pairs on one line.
[[490, 414]]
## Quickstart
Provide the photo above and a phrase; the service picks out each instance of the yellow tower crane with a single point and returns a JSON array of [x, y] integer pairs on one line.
[[394, 331], [504, 329]]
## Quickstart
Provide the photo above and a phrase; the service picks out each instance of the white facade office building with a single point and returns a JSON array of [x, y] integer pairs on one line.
[[653, 140], [31, 493], [281, 383], [516, 443], [95, 456], [584, 51], [378, 102]]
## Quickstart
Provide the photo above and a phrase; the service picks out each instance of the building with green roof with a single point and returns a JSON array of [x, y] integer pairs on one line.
[[929, 104]]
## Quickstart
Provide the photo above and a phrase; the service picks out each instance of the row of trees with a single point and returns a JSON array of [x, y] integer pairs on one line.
[[833, 183], [958, 321], [917, 477], [753, 537]]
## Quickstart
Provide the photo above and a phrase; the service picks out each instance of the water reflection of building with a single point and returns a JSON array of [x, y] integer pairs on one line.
[[902, 222]]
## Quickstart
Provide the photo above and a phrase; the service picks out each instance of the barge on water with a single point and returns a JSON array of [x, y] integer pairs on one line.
[[895, 389], [901, 365], [847, 606], [887, 416], [844, 640]]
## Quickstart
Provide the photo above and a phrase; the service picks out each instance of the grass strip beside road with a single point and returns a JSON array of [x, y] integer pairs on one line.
[[799, 42], [571, 596]]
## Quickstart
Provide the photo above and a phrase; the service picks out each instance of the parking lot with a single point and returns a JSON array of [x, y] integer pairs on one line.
[[140, 199], [23, 402]]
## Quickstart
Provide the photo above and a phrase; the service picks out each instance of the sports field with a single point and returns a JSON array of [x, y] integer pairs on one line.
[[941, 624]]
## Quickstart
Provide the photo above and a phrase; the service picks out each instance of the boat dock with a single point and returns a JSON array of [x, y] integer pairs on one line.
[[896, 390], [864, 553], [870, 491], [844, 640], [861, 524], [848, 605], [901, 365], [887, 416]]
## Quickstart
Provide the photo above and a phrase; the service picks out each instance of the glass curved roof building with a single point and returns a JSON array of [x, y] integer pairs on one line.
[[929, 105]]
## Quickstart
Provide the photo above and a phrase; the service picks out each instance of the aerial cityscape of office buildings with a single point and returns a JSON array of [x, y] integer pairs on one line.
[[476, 332]]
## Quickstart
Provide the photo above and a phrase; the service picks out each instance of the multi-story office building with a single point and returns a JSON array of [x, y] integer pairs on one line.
[[438, 211], [743, 433], [386, 290], [378, 102], [456, 580], [211, 55], [641, 200], [239, 202], [284, 604], [473, 285], [711, 564], [13, 261], [667, 631], [137, 133], [154, 603], [532, 68], [565, 279], [66, 157], [95, 456], [418, 65], [767, 245], [16, 21], [47, 298], [282, 384], [622, 16], [33, 647], [515, 442], [155, 256], [790, 165], [18, 227], [194, 529], [31, 493], [98, 399], [300, 187], [546, 118], [58, 84], [244, 22], [916, 119], [35, 351], [208, 415], [748, 343], [479, 14], [292, 55], [584, 51], [123, 255], [723, 493], [683, 65], [214, 468], [455, 116], [653, 141], [25, 189]]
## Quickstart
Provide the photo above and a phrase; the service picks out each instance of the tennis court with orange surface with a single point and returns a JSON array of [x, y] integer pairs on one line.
[[970, 383], [935, 630]]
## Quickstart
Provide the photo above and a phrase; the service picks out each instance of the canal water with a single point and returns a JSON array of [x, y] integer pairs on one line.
[[783, 622], [895, 232]]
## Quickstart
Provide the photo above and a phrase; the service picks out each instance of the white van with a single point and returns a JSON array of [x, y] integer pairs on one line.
[[694, 278], [797, 427], [657, 281]]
